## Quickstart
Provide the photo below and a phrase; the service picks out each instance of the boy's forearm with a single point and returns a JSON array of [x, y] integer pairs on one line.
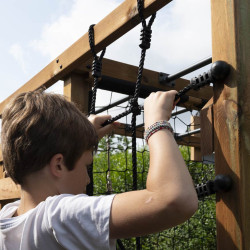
[[167, 171]]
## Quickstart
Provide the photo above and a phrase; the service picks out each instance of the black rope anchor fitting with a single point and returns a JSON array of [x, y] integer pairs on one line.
[[221, 183], [218, 72]]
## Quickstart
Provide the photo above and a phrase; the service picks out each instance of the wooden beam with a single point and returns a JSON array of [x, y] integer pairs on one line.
[[122, 131], [1, 155], [8, 189], [116, 24], [195, 151], [1, 171], [187, 140], [76, 89], [207, 130], [127, 72], [231, 43]]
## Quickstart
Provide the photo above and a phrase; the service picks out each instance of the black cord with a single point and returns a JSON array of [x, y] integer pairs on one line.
[[145, 44], [96, 66]]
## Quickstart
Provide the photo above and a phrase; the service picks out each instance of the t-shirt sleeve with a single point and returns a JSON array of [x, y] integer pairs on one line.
[[80, 221]]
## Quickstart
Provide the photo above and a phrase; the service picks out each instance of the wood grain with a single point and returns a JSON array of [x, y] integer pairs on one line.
[[231, 43], [8, 189], [76, 89], [195, 151], [207, 130]]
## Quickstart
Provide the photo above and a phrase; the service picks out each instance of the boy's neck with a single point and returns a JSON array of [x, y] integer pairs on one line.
[[30, 200], [37, 188]]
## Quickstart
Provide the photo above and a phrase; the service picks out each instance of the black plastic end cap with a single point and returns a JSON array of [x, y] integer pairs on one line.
[[220, 70], [222, 183]]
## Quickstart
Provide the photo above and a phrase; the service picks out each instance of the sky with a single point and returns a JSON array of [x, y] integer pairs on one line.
[[34, 32]]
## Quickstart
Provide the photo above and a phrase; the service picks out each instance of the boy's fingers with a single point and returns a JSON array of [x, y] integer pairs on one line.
[[104, 117], [105, 130], [175, 102], [108, 129]]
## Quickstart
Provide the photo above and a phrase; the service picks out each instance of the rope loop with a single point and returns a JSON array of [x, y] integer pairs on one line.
[[96, 66], [146, 30], [97, 62]]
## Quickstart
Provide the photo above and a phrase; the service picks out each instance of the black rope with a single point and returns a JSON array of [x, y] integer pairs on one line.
[[96, 66], [96, 73], [134, 107], [145, 44]]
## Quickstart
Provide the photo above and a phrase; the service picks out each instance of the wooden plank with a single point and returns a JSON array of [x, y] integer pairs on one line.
[[117, 23], [209, 103], [189, 141], [185, 140], [76, 89], [1, 171], [8, 189], [124, 132], [231, 43], [1, 155], [150, 78], [195, 151], [207, 130]]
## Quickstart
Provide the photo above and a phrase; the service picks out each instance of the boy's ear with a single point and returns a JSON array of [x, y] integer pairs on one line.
[[57, 166]]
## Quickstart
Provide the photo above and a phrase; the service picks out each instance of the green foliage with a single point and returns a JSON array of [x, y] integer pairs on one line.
[[114, 157]]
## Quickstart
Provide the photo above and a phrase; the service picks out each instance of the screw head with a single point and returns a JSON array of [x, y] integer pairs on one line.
[[222, 183], [220, 70]]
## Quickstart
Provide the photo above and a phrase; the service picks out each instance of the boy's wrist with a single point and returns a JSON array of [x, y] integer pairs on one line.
[[155, 127]]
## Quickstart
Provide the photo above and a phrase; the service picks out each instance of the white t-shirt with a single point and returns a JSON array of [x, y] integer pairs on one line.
[[60, 222]]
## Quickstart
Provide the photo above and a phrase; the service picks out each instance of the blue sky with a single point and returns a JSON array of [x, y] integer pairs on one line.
[[20, 23], [34, 32]]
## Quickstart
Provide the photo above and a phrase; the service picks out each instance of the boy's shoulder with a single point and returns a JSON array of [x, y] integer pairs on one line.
[[68, 202], [9, 209]]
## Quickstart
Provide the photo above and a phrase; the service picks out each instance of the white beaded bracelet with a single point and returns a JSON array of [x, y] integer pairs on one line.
[[156, 127]]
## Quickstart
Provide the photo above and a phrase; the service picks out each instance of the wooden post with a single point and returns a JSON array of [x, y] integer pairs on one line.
[[207, 132], [195, 151], [76, 89], [231, 43]]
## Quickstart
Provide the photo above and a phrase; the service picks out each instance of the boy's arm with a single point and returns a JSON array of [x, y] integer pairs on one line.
[[169, 198]]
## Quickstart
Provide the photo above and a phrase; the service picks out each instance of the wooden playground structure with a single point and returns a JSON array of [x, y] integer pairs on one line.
[[225, 118]]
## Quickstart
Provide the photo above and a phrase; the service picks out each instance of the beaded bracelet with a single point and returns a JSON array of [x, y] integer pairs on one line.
[[156, 127]]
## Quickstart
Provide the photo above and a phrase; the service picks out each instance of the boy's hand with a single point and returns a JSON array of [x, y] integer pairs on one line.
[[98, 120], [158, 106]]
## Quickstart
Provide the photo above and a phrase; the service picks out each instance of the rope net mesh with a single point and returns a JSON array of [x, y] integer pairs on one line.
[[113, 173]]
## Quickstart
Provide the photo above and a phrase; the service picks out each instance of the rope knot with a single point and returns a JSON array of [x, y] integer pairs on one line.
[[135, 108], [146, 33], [97, 68]]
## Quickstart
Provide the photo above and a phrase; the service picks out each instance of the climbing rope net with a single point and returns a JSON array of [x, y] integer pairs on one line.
[[122, 161], [113, 173]]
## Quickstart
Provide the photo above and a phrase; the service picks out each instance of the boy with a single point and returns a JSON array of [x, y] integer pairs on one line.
[[48, 144]]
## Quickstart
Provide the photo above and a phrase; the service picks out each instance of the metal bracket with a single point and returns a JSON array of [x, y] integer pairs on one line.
[[163, 80]]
